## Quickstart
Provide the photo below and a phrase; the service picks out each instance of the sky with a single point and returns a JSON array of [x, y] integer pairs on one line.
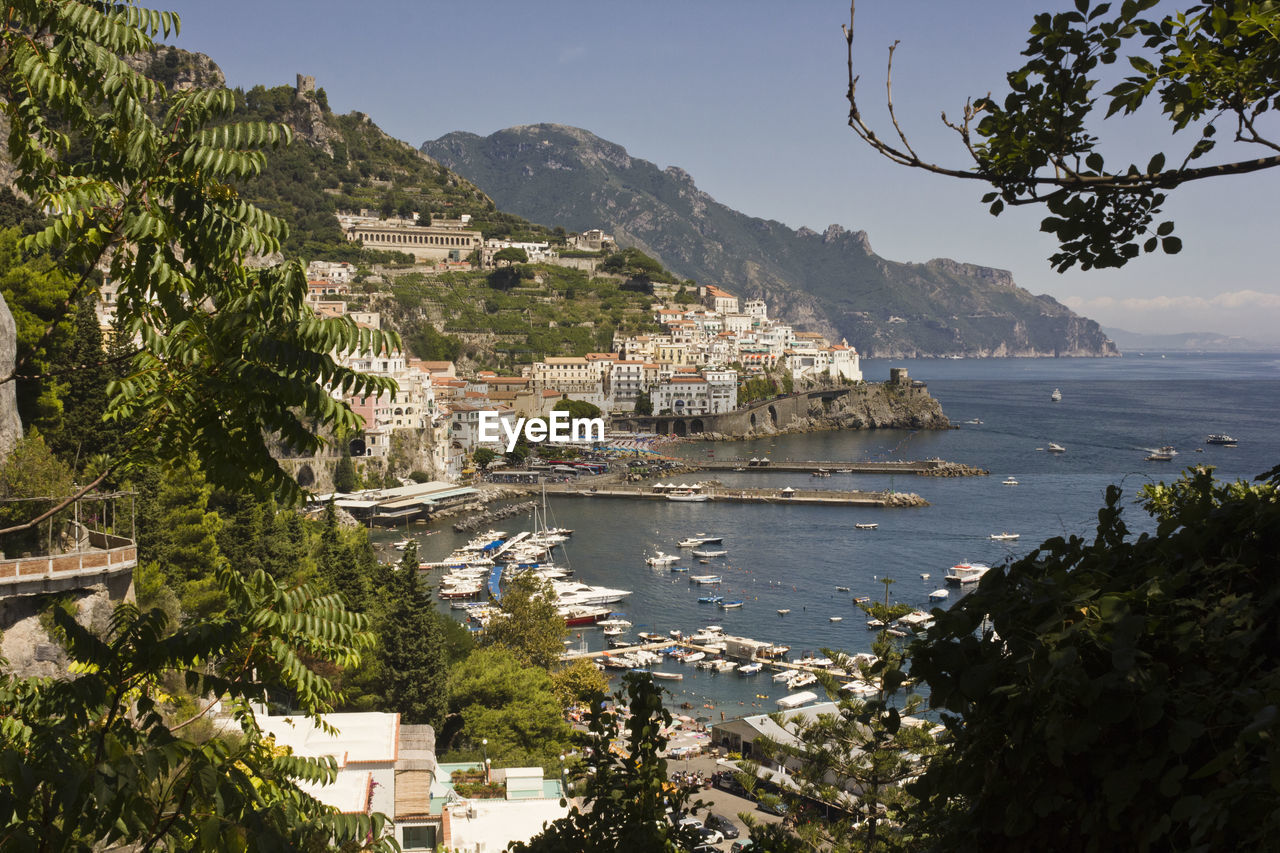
[[748, 98]]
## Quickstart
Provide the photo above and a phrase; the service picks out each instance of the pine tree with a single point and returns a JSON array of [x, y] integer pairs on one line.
[[339, 564], [84, 398], [186, 546], [412, 646], [344, 474]]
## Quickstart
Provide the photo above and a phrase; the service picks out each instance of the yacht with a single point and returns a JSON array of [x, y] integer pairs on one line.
[[573, 593], [699, 540], [1005, 537], [1009, 481], [1158, 456], [1055, 448], [966, 573], [1221, 438], [1056, 396]]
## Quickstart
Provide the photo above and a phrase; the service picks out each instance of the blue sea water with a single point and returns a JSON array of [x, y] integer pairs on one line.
[[1112, 412]]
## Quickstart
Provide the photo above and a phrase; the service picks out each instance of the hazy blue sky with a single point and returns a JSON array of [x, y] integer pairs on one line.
[[748, 97]]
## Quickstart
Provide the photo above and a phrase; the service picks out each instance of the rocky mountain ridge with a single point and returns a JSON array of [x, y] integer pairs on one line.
[[831, 282]]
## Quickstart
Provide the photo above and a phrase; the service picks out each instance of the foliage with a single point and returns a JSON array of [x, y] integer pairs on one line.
[[93, 761], [141, 180], [84, 399], [577, 408], [32, 471], [578, 682], [511, 255], [184, 543], [636, 264], [1210, 66], [344, 475], [498, 698], [1118, 693], [530, 625], [483, 457], [627, 801], [412, 648], [644, 404]]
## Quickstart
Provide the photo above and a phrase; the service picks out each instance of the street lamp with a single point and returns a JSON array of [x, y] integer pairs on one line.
[[484, 746]]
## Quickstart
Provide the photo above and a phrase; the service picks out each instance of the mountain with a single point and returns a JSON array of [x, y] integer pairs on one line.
[[830, 282], [1186, 341]]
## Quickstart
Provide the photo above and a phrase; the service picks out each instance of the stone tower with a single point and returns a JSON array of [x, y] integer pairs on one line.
[[306, 85]]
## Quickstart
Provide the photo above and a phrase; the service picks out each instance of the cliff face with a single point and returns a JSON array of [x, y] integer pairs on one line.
[[831, 282]]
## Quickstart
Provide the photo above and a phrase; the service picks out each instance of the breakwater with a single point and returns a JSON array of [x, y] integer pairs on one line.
[[922, 468], [490, 516], [721, 494]]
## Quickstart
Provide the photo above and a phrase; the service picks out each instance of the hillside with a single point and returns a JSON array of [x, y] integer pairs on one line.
[[831, 282]]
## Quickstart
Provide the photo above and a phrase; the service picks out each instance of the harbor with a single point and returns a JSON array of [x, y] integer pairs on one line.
[[722, 494], [918, 467]]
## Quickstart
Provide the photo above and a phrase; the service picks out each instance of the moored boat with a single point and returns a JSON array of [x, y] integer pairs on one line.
[[1055, 448], [938, 595], [750, 668], [1009, 481], [729, 605], [966, 573], [709, 552], [1222, 439], [704, 579]]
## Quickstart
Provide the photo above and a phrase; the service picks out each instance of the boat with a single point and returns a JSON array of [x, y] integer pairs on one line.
[[783, 611], [1167, 449], [667, 676], [1222, 439], [784, 675], [974, 421], [938, 595], [694, 658], [750, 668], [795, 700], [866, 525], [729, 605], [704, 579], [1005, 537], [1056, 396], [1157, 456], [709, 553], [699, 539], [401, 544], [1009, 481], [650, 636], [966, 573], [836, 618], [1056, 448], [710, 599], [687, 496], [873, 624], [842, 589], [821, 472], [614, 632], [677, 569], [661, 559], [866, 599]]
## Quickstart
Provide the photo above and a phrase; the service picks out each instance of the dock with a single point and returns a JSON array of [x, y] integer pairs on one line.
[[721, 494], [919, 467], [772, 665]]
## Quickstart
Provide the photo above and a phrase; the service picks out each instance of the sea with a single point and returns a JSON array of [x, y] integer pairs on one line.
[[1112, 413]]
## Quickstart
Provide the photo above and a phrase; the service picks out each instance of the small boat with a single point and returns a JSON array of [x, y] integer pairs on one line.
[[1157, 456], [401, 544], [836, 618], [844, 470], [803, 679], [862, 599], [783, 611], [667, 676], [661, 559], [704, 579], [867, 525], [704, 552], [784, 675], [695, 657], [614, 631], [1005, 537], [704, 562], [1222, 439], [1009, 481], [677, 569], [1056, 396], [1056, 448], [687, 496], [750, 668], [965, 573], [938, 595], [695, 541], [974, 421], [873, 624], [710, 599], [1167, 449], [924, 576], [729, 605], [842, 589]]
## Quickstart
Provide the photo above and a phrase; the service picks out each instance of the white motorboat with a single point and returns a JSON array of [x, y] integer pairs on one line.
[[784, 675], [661, 559], [1005, 537], [803, 679], [836, 618], [705, 579], [750, 668], [1056, 396], [667, 676], [1055, 448], [783, 611], [687, 496], [698, 539], [866, 525], [1222, 439], [938, 595], [695, 657], [966, 573], [614, 632], [729, 605], [1009, 481], [705, 552]]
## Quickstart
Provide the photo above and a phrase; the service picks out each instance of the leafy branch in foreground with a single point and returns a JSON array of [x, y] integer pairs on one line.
[[97, 760], [1213, 67], [139, 181]]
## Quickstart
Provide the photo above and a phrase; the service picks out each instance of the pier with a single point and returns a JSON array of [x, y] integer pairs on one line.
[[773, 665], [922, 467], [721, 494]]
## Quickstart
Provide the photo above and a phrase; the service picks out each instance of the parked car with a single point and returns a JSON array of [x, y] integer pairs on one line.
[[740, 846], [725, 780], [772, 805], [722, 823], [689, 821], [706, 848], [711, 836]]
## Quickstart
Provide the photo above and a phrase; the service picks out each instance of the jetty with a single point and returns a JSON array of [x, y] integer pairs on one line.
[[920, 467], [723, 494]]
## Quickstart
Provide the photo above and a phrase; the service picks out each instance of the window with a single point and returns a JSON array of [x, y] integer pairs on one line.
[[419, 838]]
